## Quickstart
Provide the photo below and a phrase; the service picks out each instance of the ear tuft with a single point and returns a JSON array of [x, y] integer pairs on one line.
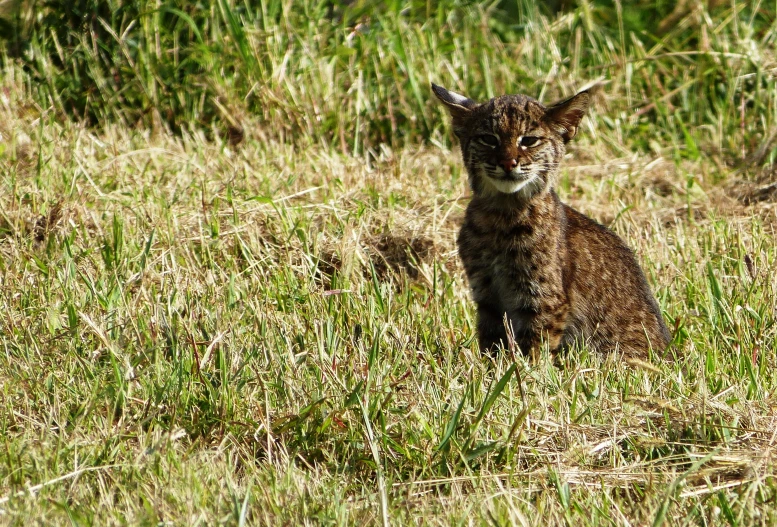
[[565, 116], [458, 105]]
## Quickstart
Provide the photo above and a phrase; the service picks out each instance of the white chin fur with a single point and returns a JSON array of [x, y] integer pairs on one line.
[[511, 187]]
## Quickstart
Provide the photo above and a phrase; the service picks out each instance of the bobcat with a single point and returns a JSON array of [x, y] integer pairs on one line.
[[535, 265]]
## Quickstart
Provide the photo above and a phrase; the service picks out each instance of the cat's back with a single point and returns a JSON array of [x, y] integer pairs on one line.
[[611, 297]]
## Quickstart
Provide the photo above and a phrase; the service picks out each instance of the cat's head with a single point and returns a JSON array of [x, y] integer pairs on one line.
[[513, 144]]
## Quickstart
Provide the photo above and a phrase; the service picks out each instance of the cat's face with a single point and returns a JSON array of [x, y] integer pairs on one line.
[[512, 144]]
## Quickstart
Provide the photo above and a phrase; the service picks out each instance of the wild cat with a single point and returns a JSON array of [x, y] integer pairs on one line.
[[536, 265]]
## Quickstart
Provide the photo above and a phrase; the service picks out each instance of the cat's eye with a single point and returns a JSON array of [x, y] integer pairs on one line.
[[488, 140], [529, 141]]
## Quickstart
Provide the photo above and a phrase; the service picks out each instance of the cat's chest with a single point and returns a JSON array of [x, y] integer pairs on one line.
[[504, 254], [511, 261]]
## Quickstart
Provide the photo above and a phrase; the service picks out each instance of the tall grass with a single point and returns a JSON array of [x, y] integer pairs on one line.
[[357, 76]]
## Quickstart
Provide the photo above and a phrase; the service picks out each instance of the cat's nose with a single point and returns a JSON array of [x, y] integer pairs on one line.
[[509, 164]]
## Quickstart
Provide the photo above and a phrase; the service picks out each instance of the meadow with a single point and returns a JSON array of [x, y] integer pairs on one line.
[[230, 292]]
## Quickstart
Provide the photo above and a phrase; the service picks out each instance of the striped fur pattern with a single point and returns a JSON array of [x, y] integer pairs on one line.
[[538, 268]]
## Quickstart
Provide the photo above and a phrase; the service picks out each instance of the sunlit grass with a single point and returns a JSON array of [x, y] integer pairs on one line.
[[277, 330]]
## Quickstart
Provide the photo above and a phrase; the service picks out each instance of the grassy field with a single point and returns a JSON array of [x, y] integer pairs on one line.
[[230, 293]]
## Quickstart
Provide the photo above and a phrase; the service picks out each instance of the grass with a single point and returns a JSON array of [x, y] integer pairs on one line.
[[273, 327]]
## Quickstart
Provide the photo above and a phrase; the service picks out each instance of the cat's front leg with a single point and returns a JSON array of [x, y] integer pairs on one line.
[[491, 328], [496, 328]]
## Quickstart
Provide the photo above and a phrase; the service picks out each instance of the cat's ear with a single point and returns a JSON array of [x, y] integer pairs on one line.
[[458, 105], [565, 116]]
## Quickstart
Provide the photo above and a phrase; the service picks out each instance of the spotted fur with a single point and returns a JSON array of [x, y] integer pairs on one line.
[[534, 264]]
